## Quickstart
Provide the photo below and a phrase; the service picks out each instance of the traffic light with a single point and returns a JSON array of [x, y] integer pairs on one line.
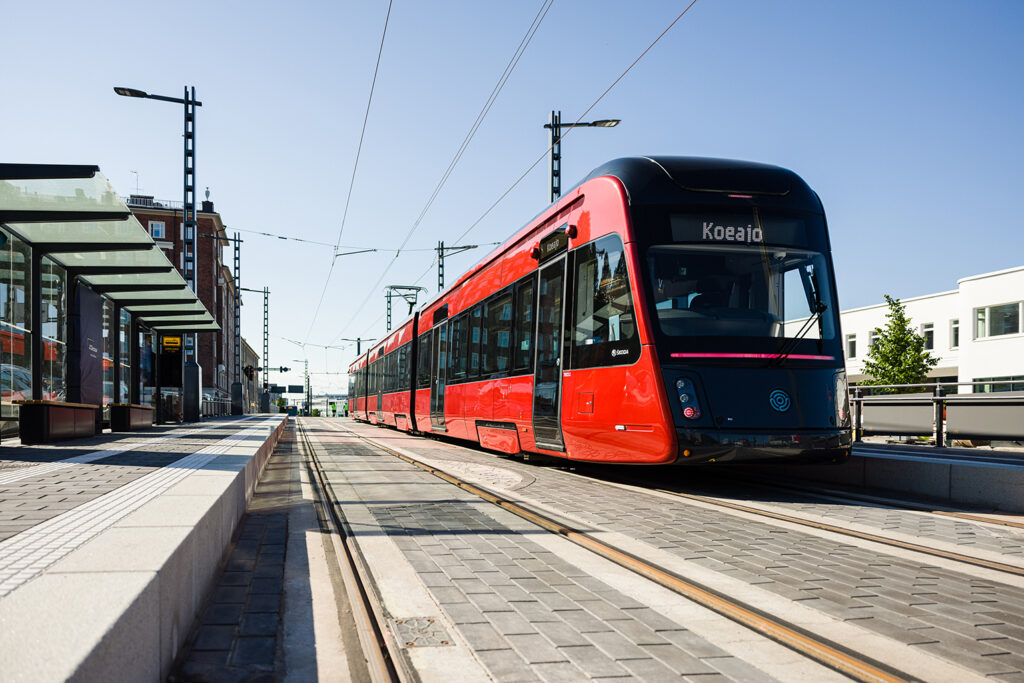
[[249, 371]]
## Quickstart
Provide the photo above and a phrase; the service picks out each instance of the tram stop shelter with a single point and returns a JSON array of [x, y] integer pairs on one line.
[[86, 300]]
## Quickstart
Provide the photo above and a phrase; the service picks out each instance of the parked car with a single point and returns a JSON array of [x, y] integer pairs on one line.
[[15, 383]]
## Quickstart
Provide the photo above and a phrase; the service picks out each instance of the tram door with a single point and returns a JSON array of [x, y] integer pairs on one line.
[[547, 382], [379, 370], [438, 371]]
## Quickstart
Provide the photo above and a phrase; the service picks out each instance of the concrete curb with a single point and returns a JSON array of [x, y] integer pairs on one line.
[[954, 482], [120, 606]]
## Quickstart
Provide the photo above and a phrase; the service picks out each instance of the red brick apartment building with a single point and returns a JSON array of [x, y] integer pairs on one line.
[[215, 283]]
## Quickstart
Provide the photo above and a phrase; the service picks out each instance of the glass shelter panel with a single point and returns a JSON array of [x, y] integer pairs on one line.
[[54, 330], [15, 343]]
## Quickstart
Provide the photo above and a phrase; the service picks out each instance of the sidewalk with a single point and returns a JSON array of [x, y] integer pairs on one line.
[[109, 544]]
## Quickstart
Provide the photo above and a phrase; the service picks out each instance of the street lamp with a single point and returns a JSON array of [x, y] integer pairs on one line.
[[556, 126], [190, 388]]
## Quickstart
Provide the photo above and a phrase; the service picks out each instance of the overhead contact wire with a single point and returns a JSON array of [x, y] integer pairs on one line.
[[355, 167], [575, 123], [502, 80]]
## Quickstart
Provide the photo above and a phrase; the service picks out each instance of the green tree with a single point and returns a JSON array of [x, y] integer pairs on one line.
[[898, 355]]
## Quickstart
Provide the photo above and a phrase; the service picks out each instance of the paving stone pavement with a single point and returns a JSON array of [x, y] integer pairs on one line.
[[237, 636], [31, 500], [527, 614], [1004, 540], [979, 624]]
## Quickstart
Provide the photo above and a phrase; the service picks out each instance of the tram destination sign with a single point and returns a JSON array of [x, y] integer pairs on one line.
[[738, 229]]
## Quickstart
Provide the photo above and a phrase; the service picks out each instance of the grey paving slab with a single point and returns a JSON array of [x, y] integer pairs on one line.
[[237, 637], [873, 588], [526, 612]]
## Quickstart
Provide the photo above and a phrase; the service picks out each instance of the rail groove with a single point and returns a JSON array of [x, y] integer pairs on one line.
[[825, 526], [831, 494], [828, 653], [365, 612]]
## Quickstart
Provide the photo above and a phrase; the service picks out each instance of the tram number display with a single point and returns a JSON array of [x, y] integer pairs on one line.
[[555, 243], [741, 229]]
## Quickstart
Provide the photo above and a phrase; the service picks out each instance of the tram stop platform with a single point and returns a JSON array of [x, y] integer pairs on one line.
[[109, 545]]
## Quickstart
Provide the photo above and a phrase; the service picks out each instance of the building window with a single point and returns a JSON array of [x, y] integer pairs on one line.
[[156, 229], [928, 332], [993, 384], [872, 338], [851, 346], [994, 321], [954, 334]]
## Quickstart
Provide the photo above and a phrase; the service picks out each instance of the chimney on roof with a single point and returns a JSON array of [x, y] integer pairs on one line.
[[207, 204]]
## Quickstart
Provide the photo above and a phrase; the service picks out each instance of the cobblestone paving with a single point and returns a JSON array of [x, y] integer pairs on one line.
[[1004, 540], [976, 623], [237, 634], [31, 500], [527, 614]]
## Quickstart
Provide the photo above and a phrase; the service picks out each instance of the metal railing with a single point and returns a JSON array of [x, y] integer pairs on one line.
[[216, 407], [988, 416], [150, 202]]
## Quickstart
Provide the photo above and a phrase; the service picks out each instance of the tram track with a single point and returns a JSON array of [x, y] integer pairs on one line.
[[852, 533], [843, 496], [381, 667], [823, 650]]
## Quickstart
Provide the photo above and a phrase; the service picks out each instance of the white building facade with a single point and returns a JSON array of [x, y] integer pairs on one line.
[[976, 331]]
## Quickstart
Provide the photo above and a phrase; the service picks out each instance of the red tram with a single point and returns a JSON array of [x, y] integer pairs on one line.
[[665, 310]]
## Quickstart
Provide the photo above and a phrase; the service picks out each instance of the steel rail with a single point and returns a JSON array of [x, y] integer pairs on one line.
[[832, 655], [365, 613], [831, 494], [825, 526]]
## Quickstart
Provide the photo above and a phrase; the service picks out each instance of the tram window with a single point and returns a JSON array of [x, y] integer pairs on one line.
[[402, 380], [523, 350], [605, 323], [458, 351], [740, 291], [498, 334], [423, 361], [475, 338]]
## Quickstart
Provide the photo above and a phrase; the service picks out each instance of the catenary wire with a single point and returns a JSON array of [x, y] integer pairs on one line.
[[502, 80], [355, 166], [574, 124], [548, 150]]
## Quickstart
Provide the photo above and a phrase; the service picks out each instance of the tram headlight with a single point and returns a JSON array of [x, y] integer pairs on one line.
[[688, 398]]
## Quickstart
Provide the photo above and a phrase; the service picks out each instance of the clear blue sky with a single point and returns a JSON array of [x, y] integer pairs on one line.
[[904, 116]]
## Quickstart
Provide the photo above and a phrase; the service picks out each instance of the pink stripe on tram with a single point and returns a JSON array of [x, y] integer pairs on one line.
[[749, 355]]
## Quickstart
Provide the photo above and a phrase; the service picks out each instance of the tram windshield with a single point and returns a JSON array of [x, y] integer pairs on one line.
[[743, 290]]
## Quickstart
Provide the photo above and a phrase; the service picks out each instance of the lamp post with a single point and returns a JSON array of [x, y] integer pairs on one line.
[[555, 126], [309, 392], [236, 369], [265, 394], [191, 377]]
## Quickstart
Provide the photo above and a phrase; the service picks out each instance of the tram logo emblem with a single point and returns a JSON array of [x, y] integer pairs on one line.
[[779, 400]]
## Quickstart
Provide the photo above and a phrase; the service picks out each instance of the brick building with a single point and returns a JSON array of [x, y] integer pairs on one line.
[[251, 386], [214, 281]]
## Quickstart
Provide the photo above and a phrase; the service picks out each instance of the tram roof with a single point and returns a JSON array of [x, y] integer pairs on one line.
[[659, 180]]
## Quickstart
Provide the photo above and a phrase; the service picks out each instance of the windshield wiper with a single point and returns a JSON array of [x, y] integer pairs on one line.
[[819, 308]]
